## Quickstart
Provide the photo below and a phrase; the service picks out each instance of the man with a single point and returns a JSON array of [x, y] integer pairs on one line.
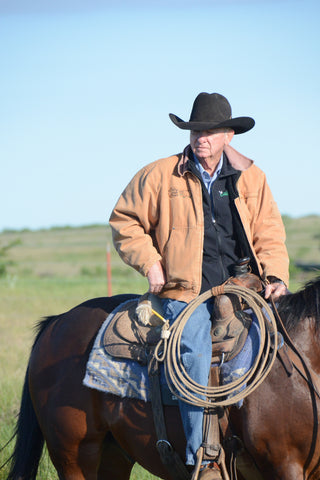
[[185, 221]]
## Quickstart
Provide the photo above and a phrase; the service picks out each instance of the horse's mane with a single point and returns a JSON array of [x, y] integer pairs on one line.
[[294, 307]]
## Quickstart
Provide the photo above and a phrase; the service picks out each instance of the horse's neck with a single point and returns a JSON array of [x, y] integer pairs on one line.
[[306, 339]]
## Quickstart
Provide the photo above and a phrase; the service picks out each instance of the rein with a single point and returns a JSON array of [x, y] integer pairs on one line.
[[181, 384], [187, 390], [302, 368], [297, 360]]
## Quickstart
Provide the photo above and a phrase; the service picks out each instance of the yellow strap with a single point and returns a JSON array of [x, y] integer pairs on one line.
[[158, 315]]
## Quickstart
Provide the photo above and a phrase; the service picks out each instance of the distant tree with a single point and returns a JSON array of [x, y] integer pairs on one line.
[[5, 262]]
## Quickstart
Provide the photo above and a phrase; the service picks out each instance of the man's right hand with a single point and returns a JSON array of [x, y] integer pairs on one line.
[[156, 278]]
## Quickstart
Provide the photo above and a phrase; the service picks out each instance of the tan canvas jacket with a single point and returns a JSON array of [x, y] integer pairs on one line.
[[159, 216]]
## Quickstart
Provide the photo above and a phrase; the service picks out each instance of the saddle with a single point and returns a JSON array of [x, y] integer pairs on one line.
[[135, 328], [134, 332]]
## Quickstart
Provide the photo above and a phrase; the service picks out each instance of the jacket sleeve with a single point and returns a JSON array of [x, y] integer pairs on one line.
[[133, 220], [264, 227]]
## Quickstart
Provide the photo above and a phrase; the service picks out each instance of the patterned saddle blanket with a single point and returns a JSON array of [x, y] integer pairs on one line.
[[126, 377]]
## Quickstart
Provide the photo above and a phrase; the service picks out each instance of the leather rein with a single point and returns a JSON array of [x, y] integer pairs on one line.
[[289, 358], [296, 357]]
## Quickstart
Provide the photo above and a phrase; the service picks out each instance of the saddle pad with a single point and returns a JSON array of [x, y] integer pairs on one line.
[[127, 378], [124, 378]]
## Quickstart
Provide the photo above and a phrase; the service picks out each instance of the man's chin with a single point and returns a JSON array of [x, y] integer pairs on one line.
[[201, 153]]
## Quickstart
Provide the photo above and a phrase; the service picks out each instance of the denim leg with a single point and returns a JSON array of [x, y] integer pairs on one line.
[[196, 351]]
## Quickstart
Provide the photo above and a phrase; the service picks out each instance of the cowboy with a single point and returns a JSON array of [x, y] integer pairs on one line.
[[186, 220]]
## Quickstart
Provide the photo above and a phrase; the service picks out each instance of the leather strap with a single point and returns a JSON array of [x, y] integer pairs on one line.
[[295, 356], [168, 455], [284, 358], [212, 447], [211, 437], [239, 456], [308, 376]]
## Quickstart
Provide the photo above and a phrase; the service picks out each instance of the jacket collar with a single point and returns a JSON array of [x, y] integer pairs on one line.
[[236, 159]]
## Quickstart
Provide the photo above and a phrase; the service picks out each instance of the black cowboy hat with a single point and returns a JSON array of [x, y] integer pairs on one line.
[[212, 110]]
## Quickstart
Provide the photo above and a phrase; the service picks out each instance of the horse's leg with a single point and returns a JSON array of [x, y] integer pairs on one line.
[[70, 419], [288, 472], [288, 469], [115, 463], [79, 445], [69, 414], [74, 446], [277, 426], [132, 425]]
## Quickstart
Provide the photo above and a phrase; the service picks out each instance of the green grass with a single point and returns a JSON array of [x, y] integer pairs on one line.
[[23, 303], [303, 243], [54, 270]]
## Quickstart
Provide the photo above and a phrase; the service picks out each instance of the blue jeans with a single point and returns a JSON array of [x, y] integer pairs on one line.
[[196, 352]]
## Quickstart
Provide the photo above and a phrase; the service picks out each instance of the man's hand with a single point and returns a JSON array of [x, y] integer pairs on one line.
[[156, 278], [275, 290]]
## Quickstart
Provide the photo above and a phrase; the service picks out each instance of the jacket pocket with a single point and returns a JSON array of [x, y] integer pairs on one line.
[[183, 257]]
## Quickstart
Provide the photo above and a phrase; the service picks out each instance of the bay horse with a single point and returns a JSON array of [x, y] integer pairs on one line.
[[92, 435]]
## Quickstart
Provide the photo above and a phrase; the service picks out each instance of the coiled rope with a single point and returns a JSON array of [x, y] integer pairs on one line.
[[185, 388]]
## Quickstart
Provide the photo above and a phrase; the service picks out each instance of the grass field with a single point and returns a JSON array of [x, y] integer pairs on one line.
[[54, 270]]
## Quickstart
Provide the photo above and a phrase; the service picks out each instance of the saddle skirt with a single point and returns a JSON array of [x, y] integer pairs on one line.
[[134, 330], [113, 367], [127, 337]]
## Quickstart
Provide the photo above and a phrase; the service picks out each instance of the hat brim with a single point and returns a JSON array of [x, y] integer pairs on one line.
[[238, 125]]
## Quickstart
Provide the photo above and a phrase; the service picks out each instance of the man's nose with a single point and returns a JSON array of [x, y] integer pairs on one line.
[[201, 137]]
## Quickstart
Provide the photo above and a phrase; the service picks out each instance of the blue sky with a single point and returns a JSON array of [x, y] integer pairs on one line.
[[86, 88]]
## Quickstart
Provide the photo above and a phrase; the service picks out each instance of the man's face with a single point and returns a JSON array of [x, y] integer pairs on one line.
[[209, 144]]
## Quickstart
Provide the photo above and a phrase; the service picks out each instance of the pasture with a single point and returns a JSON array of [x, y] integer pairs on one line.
[[53, 270]]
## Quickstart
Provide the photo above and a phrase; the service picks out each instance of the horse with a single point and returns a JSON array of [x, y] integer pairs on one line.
[[92, 435]]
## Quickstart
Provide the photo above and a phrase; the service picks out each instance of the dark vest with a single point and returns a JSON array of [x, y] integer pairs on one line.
[[224, 238]]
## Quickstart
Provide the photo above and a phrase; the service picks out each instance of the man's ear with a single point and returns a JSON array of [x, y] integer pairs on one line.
[[228, 136]]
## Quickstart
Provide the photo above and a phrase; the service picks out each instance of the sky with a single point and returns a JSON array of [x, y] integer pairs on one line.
[[86, 87]]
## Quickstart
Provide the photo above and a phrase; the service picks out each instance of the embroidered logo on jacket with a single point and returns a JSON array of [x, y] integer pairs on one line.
[[223, 194], [174, 192]]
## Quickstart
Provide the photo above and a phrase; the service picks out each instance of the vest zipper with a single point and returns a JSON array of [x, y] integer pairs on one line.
[[222, 268]]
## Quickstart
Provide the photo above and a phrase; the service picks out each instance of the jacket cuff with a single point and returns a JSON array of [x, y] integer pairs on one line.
[[273, 279]]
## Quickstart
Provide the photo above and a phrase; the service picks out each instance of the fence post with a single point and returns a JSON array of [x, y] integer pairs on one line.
[[109, 274]]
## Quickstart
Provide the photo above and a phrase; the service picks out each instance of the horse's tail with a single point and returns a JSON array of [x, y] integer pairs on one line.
[[29, 440]]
